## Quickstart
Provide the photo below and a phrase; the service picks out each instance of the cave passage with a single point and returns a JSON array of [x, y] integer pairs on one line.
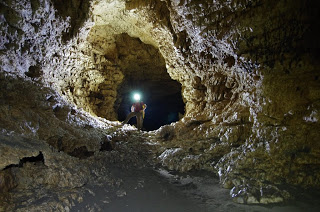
[[164, 103], [145, 72]]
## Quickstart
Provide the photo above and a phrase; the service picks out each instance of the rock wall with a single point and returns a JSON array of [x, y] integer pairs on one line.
[[248, 71], [253, 95]]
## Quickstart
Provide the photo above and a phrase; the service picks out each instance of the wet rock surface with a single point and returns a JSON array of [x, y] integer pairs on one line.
[[249, 76]]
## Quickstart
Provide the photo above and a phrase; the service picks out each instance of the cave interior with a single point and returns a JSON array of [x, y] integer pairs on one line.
[[233, 105]]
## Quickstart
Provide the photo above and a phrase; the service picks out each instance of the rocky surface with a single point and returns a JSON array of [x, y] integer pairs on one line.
[[249, 76]]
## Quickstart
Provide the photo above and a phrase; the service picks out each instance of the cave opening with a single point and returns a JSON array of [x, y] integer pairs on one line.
[[164, 105], [144, 70]]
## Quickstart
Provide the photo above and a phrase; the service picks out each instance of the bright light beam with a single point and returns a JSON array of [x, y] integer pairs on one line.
[[136, 97]]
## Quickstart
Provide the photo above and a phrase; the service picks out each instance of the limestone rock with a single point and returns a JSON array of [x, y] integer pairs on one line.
[[249, 76]]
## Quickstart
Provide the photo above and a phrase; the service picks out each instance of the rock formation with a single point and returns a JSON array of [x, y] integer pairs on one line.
[[247, 71]]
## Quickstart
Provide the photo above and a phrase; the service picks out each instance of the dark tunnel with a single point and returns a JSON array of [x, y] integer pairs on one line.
[[164, 103], [145, 72]]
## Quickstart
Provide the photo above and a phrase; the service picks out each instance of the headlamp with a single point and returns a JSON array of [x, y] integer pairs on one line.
[[136, 97]]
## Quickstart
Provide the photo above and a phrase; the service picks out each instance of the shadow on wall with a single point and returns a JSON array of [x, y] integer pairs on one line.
[[77, 10]]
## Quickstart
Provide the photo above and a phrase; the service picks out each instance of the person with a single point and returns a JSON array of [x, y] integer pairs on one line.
[[137, 109]]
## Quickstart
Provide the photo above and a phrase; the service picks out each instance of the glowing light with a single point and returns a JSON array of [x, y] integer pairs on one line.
[[136, 97]]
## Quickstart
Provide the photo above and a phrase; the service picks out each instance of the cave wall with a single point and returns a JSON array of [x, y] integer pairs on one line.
[[249, 73], [248, 70], [42, 136], [252, 95]]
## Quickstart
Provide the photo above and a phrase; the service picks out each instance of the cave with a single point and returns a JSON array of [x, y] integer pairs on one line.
[[145, 72], [232, 92], [140, 68]]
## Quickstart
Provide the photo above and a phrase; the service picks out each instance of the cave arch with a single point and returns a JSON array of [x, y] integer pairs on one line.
[[122, 64], [144, 70]]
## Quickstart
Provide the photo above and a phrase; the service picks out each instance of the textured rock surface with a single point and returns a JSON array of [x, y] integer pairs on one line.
[[248, 70]]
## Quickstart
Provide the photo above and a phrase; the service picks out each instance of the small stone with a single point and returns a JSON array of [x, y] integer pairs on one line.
[[239, 200], [252, 200], [106, 200], [121, 193]]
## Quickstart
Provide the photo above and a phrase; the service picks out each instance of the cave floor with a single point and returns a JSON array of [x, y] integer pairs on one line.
[[159, 190], [128, 180], [153, 190]]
